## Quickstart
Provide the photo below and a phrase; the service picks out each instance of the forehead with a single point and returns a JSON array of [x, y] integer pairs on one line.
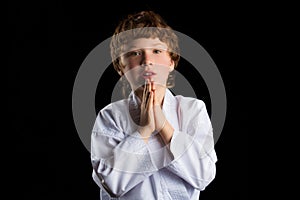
[[144, 43]]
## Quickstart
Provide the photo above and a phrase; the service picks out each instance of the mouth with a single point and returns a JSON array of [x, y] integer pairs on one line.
[[148, 74]]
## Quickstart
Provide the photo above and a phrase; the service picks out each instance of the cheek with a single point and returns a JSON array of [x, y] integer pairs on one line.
[[162, 74], [130, 64], [164, 60]]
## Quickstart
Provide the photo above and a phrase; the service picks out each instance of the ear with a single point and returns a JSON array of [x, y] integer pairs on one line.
[[120, 73], [172, 65]]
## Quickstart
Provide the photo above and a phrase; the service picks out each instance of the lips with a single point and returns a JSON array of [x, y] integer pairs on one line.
[[148, 74]]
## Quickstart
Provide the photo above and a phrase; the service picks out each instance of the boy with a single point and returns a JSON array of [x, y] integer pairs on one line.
[[152, 145]]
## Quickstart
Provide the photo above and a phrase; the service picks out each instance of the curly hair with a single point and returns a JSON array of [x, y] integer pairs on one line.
[[144, 24]]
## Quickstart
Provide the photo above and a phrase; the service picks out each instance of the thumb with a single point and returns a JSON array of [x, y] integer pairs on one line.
[[156, 102]]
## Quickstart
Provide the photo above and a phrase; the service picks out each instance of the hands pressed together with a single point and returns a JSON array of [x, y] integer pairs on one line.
[[152, 117]]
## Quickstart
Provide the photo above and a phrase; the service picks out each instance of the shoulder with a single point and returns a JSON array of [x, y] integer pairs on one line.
[[114, 109], [191, 109], [192, 113], [190, 103], [112, 117]]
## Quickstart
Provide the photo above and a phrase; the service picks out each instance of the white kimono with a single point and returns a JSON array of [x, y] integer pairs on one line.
[[125, 167]]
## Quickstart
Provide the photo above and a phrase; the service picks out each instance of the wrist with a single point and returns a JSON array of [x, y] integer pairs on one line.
[[167, 132], [145, 131], [161, 126]]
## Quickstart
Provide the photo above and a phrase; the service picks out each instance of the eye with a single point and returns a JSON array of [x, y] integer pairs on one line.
[[157, 51], [136, 53], [133, 53]]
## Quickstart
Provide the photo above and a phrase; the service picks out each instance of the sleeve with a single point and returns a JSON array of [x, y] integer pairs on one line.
[[120, 160], [193, 147]]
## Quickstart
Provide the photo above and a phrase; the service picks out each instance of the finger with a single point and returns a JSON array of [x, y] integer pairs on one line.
[[155, 100], [147, 99], [150, 102], [153, 85], [144, 97], [154, 97], [150, 86], [145, 88]]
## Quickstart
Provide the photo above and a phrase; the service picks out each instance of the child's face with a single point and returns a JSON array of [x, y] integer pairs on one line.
[[147, 58]]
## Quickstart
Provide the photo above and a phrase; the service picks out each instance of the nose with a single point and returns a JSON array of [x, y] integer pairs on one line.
[[147, 59]]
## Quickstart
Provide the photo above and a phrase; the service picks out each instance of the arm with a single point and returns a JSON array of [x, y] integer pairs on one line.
[[193, 147], [119, 162]]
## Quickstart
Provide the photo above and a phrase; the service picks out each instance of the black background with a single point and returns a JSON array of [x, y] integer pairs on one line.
[[49, 41]]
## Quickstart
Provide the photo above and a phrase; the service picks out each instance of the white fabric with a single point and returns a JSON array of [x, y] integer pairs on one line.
[[125, 167]]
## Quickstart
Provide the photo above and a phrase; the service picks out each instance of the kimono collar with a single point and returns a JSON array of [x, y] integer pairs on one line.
[[169, 99]]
